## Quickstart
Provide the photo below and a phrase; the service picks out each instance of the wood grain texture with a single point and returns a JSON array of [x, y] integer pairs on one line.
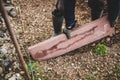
[[81, 36]]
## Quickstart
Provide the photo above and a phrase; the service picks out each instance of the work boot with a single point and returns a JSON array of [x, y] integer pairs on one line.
[[57, 18], [67, 30]]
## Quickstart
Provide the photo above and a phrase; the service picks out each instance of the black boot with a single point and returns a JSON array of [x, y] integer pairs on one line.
[[57, 18], [67, 29], [97, 7]]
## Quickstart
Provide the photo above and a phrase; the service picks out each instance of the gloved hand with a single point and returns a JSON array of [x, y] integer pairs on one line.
[[113, 11]]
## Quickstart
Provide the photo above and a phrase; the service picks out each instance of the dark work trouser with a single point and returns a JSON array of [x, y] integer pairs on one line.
[[64, 9], [69, 10], [69, 13], [113, 11], [97, 7]]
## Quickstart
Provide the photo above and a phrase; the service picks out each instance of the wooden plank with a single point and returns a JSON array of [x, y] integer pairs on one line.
[[81, 36]]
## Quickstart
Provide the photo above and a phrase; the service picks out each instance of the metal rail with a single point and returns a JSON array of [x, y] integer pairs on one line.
[[14, 39]]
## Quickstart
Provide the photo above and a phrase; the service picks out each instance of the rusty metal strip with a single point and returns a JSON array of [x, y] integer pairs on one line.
[[14, 39]]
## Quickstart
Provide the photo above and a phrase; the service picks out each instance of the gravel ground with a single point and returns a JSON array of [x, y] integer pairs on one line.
[[34, 24]]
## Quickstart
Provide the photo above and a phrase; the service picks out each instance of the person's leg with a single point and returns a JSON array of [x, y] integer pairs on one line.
[[57, 17], [69, 13], [113, 11], [97, 7]]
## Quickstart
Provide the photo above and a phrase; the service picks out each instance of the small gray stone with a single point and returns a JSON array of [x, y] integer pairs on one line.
[[1, 34], [93, 44], [13, 13], [3, 50], [4, 29], [1, 43], [44, 10], [8, 8], [108, 39], [117, 31], [7, 76], [1, 70], [16, 76]]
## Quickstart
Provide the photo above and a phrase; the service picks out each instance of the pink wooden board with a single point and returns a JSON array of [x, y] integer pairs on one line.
[[81, 36]]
